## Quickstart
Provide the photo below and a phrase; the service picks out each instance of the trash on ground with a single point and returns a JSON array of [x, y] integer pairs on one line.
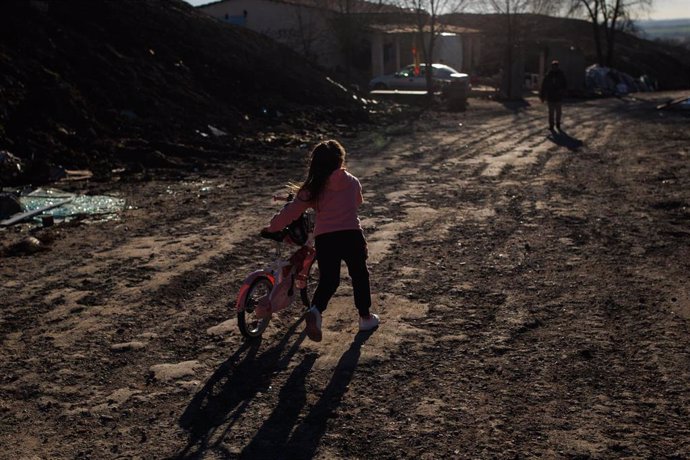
[[17, 218], [64, 205], [9, 205], [25, 247], [77, 174], [216, 132], [10, 167], [681, 103], [604, 81]]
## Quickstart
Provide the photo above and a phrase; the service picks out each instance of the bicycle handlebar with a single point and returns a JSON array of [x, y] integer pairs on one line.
[[286, 198], [275, 236]]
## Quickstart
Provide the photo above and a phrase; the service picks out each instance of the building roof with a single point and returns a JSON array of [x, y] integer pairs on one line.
[[411, 28], [338, 6]]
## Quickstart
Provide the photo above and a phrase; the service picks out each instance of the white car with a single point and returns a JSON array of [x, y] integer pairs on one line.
[[406, 79]]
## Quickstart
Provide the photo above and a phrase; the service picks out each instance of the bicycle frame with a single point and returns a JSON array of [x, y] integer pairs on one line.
[[272, 289], [284, 275]]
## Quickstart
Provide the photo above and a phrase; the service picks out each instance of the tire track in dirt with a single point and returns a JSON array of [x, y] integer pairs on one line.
[[519, 154], [531, 323]]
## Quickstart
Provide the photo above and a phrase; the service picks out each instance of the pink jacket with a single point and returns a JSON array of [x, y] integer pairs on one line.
[[336, 210]]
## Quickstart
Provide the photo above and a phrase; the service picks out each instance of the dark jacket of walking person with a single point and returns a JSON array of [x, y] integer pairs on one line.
[[553, 89]]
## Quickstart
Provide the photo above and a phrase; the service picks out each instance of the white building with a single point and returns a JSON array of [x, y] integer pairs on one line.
[[363, 38]]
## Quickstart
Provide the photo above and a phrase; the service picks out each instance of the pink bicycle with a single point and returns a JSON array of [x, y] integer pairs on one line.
[[269, 290]]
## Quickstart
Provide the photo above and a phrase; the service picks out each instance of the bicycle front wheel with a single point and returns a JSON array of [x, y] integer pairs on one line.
[[307, 293], [250, 325]]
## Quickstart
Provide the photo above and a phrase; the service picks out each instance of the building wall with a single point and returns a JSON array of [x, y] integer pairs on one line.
[[306, 30], [390, 52], [310, 32], [449, 51], [471, 53]]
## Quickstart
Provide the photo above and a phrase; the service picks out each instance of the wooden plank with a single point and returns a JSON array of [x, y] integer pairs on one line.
[[671, 103], [393, 92]]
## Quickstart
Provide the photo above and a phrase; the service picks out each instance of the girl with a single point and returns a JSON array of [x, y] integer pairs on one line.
[[335, 195]]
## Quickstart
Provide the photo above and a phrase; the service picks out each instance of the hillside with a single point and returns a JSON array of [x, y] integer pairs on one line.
[[669, 65], [677, 30], [85, 83]]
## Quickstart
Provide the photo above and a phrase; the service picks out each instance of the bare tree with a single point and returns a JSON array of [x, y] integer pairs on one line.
[[608, 17], [429, 27], [349, 27], [547, 7], [307, 32], [346, 29], [510, 11]]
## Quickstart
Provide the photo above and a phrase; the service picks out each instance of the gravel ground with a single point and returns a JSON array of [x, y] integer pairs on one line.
[[532, 288]]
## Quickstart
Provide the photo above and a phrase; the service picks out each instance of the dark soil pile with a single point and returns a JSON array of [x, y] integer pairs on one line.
[[94, 84], [667, 64]]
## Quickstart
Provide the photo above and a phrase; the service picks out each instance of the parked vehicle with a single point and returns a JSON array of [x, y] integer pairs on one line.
[[407, 80]]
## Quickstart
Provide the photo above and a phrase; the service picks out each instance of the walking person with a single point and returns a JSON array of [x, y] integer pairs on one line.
[[335, 195], [553, 89]]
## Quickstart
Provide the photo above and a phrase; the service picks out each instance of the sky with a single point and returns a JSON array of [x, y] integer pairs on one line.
[[662, 9], [670, 9]]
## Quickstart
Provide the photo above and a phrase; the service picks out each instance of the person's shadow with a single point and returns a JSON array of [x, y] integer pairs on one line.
[[560, 137], [273, 440], [515, 105], [229, 391]]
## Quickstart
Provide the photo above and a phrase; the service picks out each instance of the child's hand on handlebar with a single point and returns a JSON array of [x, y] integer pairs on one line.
[[286, 198]]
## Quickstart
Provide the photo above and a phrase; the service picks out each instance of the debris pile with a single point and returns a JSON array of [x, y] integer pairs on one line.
[[93, 78], [56, 204], [604, 81], [10, 167]]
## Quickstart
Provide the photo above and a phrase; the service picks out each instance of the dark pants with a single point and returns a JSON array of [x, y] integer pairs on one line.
[[555, 110], [331, 249]]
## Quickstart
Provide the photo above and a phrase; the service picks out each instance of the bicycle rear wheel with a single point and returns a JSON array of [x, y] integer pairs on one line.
[[307, 293], [250, 325]]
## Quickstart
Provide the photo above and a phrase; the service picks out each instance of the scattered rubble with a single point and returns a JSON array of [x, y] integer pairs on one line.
[[10, 168], [605, 81], [159, 74], [57, 204]]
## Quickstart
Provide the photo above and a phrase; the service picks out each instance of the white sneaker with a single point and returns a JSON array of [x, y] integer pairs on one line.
[[369, 323], [313, 319]]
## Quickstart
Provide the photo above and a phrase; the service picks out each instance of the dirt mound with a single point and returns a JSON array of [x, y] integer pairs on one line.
[[667, 64], [89, 82]]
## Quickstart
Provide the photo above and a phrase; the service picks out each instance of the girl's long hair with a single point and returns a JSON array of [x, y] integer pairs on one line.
[[326, 157]]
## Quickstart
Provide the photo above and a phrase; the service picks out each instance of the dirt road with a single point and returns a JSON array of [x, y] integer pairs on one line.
[[533, 291]]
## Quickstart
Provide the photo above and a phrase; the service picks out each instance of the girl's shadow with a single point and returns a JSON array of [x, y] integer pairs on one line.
[[272, 439], [228, 392]]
